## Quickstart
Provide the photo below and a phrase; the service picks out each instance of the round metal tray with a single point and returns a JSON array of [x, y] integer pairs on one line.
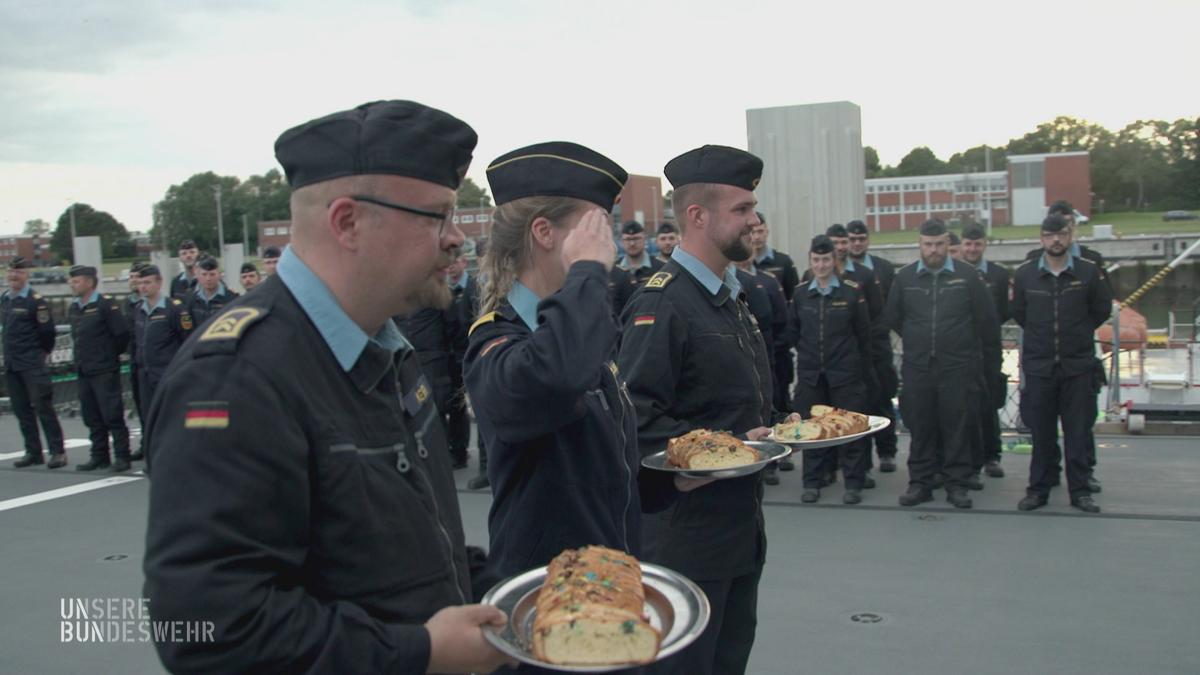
[[769, 450], [877, 423], [675, 606]]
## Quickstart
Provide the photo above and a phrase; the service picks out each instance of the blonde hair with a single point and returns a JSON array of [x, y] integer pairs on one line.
[[510, 247]]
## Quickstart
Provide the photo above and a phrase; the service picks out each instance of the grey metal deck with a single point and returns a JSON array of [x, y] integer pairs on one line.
[[989, 590]]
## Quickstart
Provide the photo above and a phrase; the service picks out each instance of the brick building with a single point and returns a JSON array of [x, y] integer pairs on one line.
[[1019, 195], [31, 246], [274, 233]]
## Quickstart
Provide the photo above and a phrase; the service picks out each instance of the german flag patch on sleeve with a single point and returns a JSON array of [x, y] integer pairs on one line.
[[645, 320], [492, 345], [207, 415]]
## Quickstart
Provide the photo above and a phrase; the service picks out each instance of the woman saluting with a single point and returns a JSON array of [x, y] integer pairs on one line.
[[552, 409]]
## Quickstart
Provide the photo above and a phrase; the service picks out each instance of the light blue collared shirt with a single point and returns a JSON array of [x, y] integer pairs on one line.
[[849, 265], [161, 304], [867, 261], [768, 252], [982, 265], [1070, 265], [947, 267], [206, 299], [24, 293], [462, 282], [645, 262], [345, 339], [1075, 250], [525, 302], [95, 296], [711, 282], [833, 283]]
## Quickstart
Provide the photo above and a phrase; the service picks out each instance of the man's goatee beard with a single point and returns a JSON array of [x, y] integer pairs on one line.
[[436, 294], [737, 251]]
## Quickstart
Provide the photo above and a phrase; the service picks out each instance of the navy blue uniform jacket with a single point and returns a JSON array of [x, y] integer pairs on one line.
[[558, 424]]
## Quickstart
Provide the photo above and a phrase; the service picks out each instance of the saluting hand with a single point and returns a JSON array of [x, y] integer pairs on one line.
[[456, 642], [591, 240]]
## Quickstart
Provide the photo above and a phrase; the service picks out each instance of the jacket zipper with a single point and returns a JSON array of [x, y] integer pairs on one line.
[[621, 395], [933, 345]]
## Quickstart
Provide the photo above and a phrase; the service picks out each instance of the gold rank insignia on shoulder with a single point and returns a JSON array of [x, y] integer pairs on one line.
[[207, 415], [37, 296], [229, 326], [176, 301], [851, 283], [486, 318], [659, 280]]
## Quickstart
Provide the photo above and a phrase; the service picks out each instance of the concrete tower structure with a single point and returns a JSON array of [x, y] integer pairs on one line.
[[814, 170]]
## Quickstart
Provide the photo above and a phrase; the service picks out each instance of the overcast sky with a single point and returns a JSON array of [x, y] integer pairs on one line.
[[109, 102]]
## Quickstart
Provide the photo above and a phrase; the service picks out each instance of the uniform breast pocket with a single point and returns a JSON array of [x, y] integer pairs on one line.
[[713, 353]]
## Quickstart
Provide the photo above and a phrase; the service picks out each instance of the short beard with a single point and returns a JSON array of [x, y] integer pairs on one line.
[[736, 250], [435, 293], [1060, 254], [930, 265]]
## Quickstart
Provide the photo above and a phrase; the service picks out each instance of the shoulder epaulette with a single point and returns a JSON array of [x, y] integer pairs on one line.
[[175, 301], [227, 328], [621, 267], [1083, 259], [998, 264], [36, 296], [486, 318], [851, 283], [767, 273], [1027, 262], [659, 280]]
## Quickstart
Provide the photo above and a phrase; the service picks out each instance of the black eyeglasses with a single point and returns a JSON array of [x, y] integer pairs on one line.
[[443, 217]]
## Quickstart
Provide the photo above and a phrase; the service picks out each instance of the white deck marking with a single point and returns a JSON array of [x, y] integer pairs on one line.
[[65, 491]]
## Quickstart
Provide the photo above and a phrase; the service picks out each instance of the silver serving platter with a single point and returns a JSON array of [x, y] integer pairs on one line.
[[769, 450], [877, 423], [675, 606]]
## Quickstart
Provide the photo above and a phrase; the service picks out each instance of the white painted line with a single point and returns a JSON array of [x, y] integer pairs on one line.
[[65, 492], [68, 444]]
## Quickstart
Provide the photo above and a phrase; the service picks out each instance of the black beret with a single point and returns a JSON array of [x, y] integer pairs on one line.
[[186, 243], [856, 227], [83, 271], [632, 227], [821, 244], [20, 263], [715, 164], [248, 267], [150, 271], [761, 218], [933, 228], [954, 240], [1055, 223], [400, 138], [837, 230], [557, 169], [1062, 207], [974, 231], [136, 268], [667, 228], [272, 252], [208, 263]]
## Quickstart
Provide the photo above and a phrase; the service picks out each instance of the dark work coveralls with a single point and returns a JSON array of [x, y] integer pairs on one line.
[[872, 290], [943, 319], [882, 358], [100, 335], [159, 332], [203, 308], [833, 367], [994, 384], [28, 339], [1060, 314], [694, 359], [783, 268], [432, 333]]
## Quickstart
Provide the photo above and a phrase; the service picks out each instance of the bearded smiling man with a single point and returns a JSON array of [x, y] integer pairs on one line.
[[324, 536]]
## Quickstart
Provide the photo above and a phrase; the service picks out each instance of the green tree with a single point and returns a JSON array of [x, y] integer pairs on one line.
[[974, 160], [920, 161], [189, 211], [88, 223], [871, 158], [1064, 134], [472, 196], [37, 226]]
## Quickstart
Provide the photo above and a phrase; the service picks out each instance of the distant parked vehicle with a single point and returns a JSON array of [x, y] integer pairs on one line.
[[1081, 219], [1180, 215], [47, 277]]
